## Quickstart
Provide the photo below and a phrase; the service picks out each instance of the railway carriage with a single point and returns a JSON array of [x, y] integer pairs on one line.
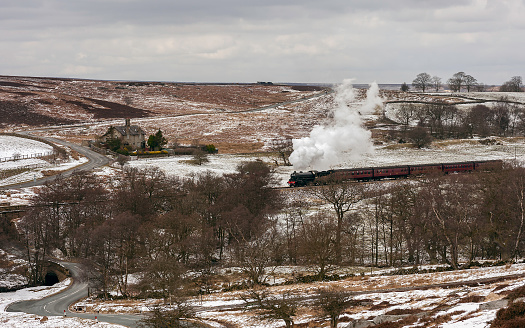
[[458, 167], [363, 174], [426, 169], [391, 172]]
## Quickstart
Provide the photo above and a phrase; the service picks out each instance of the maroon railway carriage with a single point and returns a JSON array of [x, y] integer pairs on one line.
[[361, 174], [426, 169], [458, 167], [391, 172]]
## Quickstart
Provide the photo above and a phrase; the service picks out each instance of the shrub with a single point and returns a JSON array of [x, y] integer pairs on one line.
[[403, 311], [420, 137], [122, 151], [512, 316], [398, 324], [472, 299], [149, 153], [516, 293], [513, 323], [210, 149]]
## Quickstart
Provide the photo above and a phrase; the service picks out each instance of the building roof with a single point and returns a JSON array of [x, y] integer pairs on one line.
[[134, 130]]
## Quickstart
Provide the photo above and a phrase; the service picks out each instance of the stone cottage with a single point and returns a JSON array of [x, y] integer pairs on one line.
[[129, 135]]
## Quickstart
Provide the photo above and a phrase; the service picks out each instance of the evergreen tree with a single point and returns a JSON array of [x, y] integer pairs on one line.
[[157, 141]]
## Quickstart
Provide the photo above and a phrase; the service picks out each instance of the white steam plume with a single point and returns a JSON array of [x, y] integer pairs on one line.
[[343, 137]]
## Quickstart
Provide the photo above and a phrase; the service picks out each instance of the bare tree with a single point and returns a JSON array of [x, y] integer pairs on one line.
[[447, 199], [420, 137], [405, 113], [469, 82], [342, 196], [501, 117], [515, 84], [256, 256], [122, 160], [200, 157], [283, 307], [436, 83], [318, 242], [422, 81], [478, 120], [295, 216], [456, 82], [248, 200], [283, 147], [332, 302], [172, 317]]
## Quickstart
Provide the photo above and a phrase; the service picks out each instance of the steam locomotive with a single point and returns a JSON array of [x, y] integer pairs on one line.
[[299, 179]]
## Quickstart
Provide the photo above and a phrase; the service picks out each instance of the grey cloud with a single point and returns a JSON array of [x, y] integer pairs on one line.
[[240, 40]]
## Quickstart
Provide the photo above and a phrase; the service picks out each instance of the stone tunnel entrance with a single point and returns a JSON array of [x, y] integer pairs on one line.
[[50, 279]]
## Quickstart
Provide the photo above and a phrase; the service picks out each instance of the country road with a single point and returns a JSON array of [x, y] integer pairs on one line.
[[55, 305]]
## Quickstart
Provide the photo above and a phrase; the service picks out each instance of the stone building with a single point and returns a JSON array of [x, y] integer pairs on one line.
[[129, 135]]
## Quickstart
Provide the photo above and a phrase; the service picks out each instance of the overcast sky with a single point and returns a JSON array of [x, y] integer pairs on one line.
[[388, 41]]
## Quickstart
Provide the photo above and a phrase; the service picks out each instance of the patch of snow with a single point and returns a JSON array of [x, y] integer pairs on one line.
[[180, 166]]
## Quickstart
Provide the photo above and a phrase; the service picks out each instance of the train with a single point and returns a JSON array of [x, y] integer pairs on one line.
[[300, 179]]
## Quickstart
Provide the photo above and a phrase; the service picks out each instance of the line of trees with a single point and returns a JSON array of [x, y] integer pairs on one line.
[[443, 120], [515, 84], [461, 81]]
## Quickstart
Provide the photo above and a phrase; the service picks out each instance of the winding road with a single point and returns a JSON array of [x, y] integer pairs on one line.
[[55, 305]]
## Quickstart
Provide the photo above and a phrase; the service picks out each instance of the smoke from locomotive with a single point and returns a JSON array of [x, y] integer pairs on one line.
[[343, 137]]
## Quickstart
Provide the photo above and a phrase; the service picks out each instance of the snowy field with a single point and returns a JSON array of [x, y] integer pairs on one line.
[[10, 146], [22, 320], [467, 314]]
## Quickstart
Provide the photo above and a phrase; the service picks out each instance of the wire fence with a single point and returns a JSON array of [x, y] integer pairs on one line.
[[17, 157]]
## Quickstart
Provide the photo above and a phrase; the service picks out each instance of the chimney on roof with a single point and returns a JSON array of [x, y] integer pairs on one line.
[[128, 124]]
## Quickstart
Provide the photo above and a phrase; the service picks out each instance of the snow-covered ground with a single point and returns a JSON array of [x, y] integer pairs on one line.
[[181, 165], [457, 301], [443, 152], [22, 320], [10, 146]]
